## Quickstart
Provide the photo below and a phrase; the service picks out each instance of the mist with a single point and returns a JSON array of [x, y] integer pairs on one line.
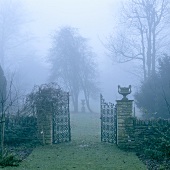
[[27, 53], [94, 22], [85, 84]]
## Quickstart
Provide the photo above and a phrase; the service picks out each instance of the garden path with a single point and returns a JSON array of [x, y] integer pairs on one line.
[[84, 152]]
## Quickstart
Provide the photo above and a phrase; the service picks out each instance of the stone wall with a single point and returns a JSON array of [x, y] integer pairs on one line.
[[133, 133], [143, 132]]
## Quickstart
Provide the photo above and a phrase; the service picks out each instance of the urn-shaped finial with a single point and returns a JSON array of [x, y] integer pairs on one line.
[[124, 91]]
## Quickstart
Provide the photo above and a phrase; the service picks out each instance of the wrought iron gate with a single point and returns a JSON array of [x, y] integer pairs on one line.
[[108, 121], [61, 119], [51, 106]]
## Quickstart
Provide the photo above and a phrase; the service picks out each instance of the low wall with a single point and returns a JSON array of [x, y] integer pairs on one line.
[[138, 135], [148, 134]]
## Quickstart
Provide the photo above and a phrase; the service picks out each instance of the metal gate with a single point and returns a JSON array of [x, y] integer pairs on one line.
[[51, 105], [61, 119], [108, 121]]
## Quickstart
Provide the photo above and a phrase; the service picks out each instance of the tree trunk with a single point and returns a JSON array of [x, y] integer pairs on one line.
[[88, 105], [149, 53], [2, 132], [2, 55], [75, 102], [154, 48], [143, 52], [153, 56], [87, 98]]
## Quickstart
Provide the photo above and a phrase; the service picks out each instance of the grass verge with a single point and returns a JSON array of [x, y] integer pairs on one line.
[[85, 151]]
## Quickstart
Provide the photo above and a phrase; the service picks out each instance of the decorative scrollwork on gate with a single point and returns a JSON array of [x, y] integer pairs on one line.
[[108, 121], [51, 107], [61, 120]]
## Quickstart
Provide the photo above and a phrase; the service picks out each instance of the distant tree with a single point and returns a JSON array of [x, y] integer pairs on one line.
[[164, 79], [16, 48], [11, 24], [72, 64], [3, 86], [8, 97], [143, 34], [88, 76], [153, 97]]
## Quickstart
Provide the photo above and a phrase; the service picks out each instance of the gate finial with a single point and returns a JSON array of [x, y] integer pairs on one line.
[[124, 91]]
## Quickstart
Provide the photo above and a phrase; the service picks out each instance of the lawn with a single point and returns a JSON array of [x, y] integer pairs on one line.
[[84, 152]]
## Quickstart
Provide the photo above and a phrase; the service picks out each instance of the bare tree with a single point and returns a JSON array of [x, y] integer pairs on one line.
[[143, 33], [8, 97], [3, 85], [72, 64], [12, 20], [88, 77]]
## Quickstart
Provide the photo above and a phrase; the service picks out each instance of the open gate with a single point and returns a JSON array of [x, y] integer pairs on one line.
[[108, 121], [51, 105], [61, 119]]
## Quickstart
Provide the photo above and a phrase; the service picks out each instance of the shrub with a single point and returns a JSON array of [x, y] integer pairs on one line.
[[21, 130], [9, 159], [152, 137]]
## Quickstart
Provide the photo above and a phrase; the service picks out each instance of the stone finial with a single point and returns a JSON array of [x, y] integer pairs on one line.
[[124, 91]]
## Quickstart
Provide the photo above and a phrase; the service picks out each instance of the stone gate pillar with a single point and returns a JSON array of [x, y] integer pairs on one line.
[[124, 111]]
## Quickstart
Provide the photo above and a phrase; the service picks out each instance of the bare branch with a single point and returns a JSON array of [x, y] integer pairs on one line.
[[147, 22]]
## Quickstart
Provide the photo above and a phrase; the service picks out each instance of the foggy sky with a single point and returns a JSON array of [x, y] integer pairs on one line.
[[95, 20]]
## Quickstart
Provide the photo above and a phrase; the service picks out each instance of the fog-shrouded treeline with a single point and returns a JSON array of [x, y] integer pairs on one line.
[[24, 68], [142, 36]]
